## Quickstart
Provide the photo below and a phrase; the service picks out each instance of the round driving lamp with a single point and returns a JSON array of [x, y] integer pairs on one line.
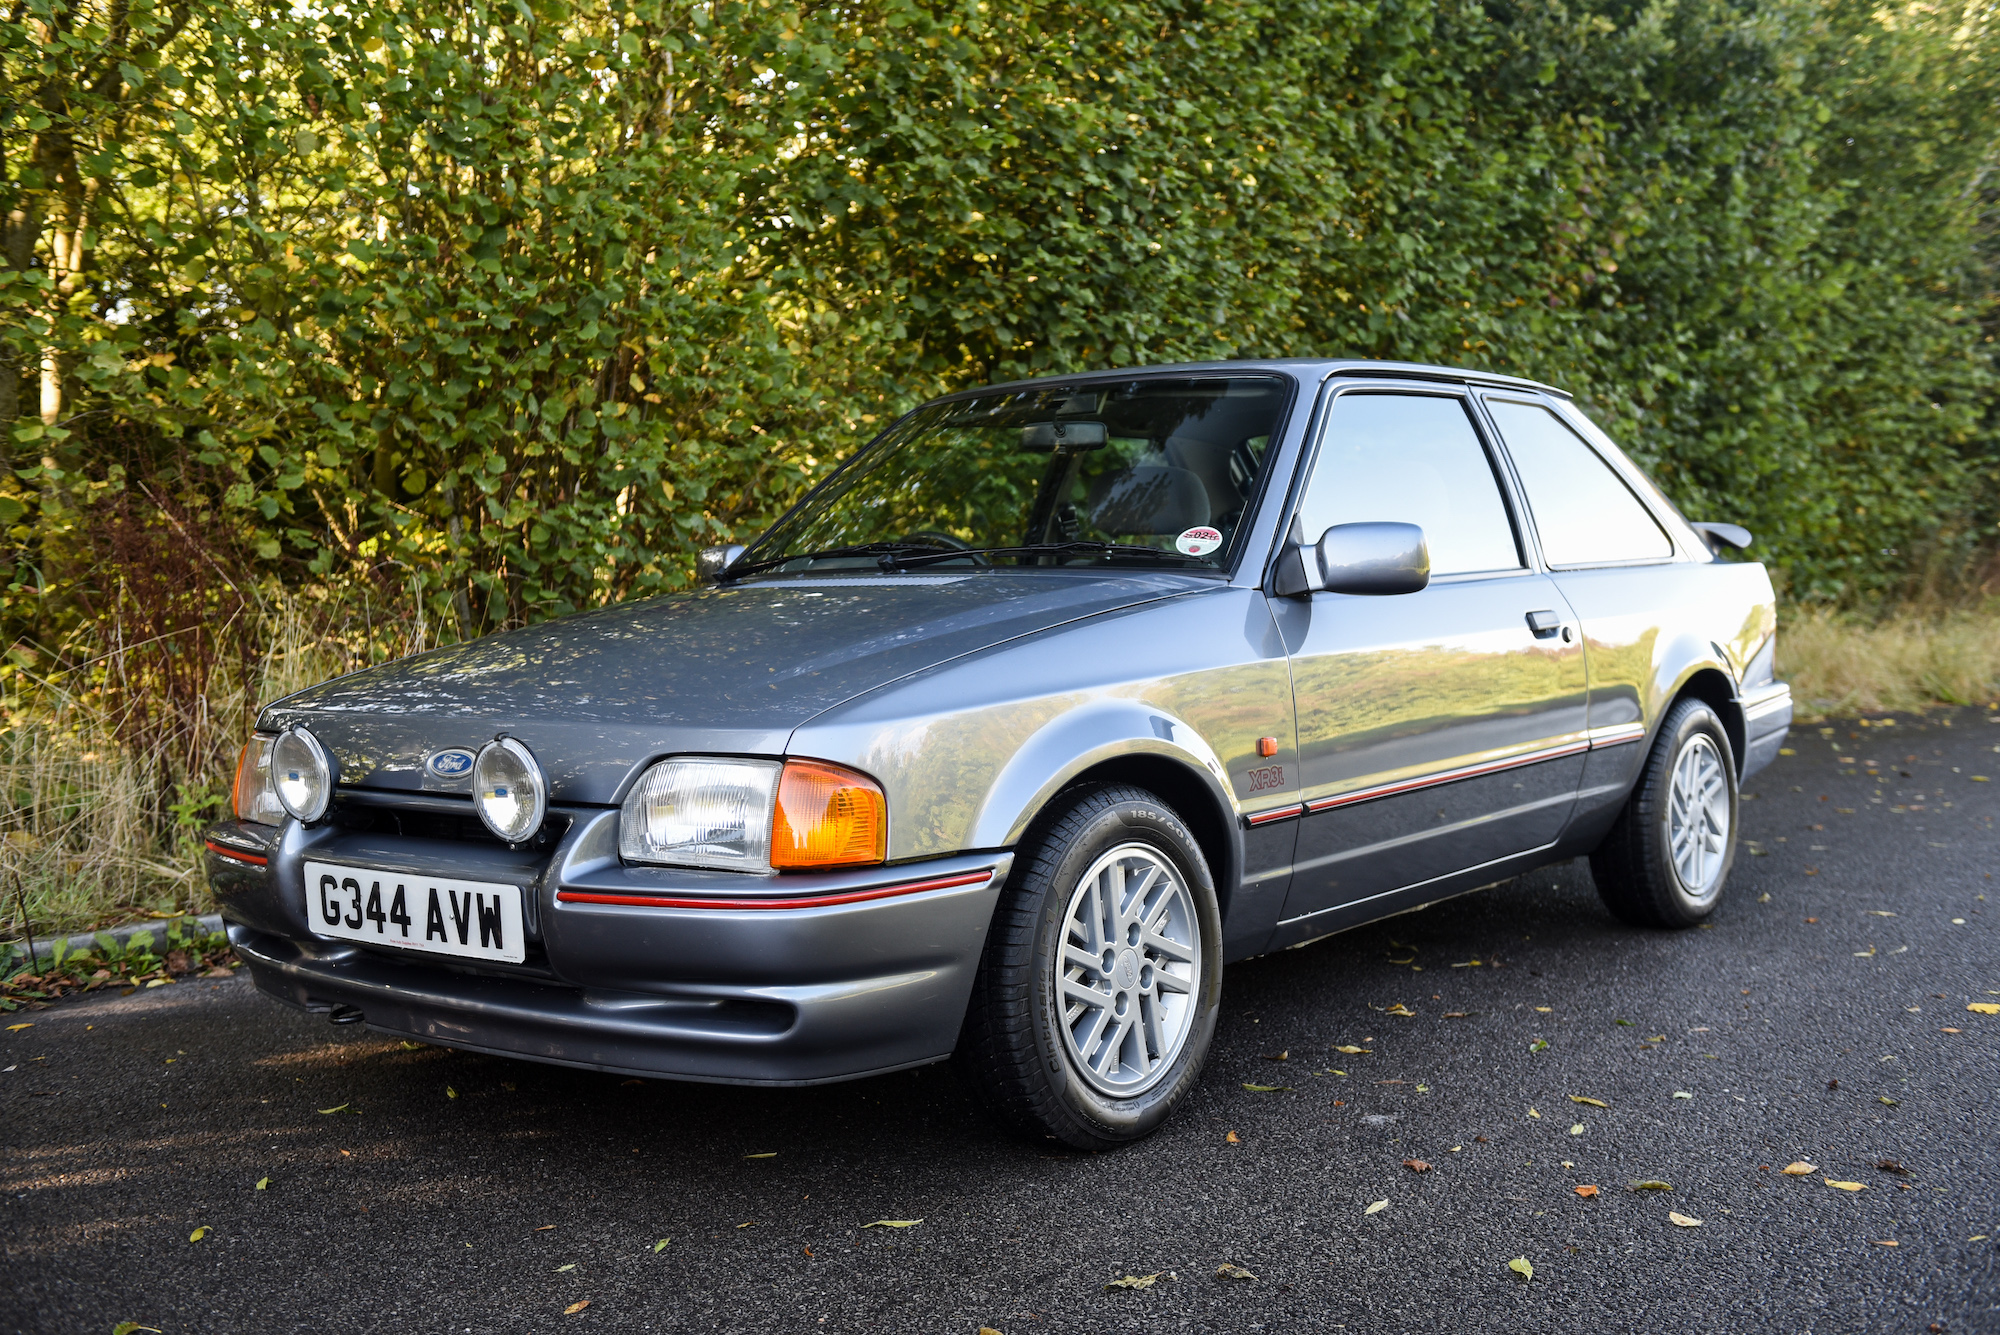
[[302, 774], [508, 789]]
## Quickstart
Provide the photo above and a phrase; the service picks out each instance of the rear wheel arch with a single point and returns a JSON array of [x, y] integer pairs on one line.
[[1713, 688]]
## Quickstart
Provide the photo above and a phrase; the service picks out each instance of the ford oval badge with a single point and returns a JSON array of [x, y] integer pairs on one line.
[[451, 764]]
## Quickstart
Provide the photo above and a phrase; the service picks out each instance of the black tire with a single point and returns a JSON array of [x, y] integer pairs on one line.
[[1013, 1050], [1635, 869]]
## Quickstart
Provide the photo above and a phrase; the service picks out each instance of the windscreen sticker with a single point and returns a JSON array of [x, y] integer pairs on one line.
[[1199, 541]]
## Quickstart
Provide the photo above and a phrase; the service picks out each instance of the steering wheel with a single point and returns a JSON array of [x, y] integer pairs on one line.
[[943, 539]]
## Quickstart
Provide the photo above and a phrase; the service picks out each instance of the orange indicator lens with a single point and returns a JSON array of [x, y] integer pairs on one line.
[[1267, 746], [828, 816]]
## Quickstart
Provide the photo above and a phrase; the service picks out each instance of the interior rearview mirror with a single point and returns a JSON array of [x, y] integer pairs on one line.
[[1374, 558], [1049, 437]]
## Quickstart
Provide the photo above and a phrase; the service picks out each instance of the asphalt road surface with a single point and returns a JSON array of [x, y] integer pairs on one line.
[[1821, 1018]]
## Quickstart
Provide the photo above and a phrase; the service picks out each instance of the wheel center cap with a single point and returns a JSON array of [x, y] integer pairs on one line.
[[1126, 973]]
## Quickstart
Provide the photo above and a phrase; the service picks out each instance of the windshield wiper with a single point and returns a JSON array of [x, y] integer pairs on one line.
[[933, 555], [878, 549]]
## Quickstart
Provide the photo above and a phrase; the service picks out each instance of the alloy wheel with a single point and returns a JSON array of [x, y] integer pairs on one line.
[[1698, 817], [1130, 971]]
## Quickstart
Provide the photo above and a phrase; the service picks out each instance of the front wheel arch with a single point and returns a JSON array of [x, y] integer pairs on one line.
[[1190, 795]]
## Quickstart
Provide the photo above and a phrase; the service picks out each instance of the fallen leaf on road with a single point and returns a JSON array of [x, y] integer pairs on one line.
[[543, 1228], [341, 1108], [1891, 1166], [1799, 1168], [1682, 1094], [198, 1234], [753, 1223], [1685, 1221], [1881, 913], [1400, 1009], [1230, 1270], [1233, 1139], [576, 1307], [407, 1046], [1951, 1031], [1845, 1186], [1416, 1165], [1887, 1242], [1377, 1208], [1266, 1089], [132, 1328], [1134, 1282], [561, 1268], [1286, 1055], [1577, 1129], [766, 1154], [30, 1024], [1454, 1015], [1585, 1192], [1351, 1050], [1864, 954], [450, 1093], [1984, 1007], [1468, 964], [1884, 1098], [263, 1182], [1652, 1184], [1532, 1113], [1595, 1103], [894, 1223], [661, 1245], [1523, 1267]]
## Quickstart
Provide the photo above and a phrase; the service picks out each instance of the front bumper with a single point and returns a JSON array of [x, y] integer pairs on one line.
[[638, 970]]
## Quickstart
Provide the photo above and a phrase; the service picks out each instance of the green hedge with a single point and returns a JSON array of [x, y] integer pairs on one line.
[[519, 304]]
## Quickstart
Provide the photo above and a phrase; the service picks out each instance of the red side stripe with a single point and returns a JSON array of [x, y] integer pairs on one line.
[[1446, 776], [803, 902], [237, 854]]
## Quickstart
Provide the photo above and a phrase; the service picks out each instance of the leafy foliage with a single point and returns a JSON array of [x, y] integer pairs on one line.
[[513, 307]]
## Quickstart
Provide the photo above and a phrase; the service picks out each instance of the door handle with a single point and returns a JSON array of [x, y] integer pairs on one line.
[[1544, 623]]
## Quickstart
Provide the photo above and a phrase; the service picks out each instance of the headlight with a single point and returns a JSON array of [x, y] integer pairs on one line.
[[701, 813], [508, 789], [252, 796], [302, 774], [754, 815]]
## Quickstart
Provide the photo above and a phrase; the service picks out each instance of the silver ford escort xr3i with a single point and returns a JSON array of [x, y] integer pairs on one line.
[[1054, 699]]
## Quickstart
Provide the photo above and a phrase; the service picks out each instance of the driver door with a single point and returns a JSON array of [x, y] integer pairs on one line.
[[1440, 730]]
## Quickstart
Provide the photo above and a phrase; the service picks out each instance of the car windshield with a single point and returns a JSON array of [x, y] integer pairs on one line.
[[1152, 472]]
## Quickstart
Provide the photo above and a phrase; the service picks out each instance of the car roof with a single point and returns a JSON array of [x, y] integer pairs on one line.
[[1305, 368]]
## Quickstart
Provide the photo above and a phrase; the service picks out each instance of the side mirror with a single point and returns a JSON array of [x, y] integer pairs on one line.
[[711, 562], [1370, 558]]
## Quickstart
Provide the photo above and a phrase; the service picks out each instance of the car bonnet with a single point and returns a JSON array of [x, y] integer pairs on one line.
[[730, 670]]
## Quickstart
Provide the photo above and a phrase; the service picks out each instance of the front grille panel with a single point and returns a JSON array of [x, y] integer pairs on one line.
[[376, 816]]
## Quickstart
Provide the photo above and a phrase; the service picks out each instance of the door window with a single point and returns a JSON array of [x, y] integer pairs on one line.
[[1584, 512], [1411, 459]]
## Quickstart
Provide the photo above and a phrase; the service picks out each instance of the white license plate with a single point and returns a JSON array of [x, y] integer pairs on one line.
[[472, 919]]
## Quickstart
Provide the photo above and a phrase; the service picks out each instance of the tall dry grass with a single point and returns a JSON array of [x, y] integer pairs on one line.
[[104, 811], [1911, 659]]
